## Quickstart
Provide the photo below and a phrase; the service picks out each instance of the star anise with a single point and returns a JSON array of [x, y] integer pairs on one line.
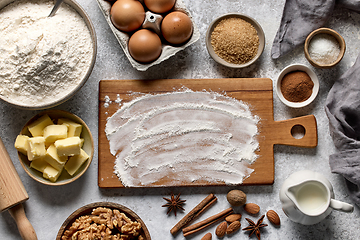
[[174, 203], [255, 228]]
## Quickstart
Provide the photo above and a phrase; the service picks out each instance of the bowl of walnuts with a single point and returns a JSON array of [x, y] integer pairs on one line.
[[103, 220]]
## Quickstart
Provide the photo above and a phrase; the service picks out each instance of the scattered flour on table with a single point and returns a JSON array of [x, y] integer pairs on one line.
[[182, 136], [41, 59]]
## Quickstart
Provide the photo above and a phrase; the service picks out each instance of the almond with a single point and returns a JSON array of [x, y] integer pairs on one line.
[[233, 227], [252, 208], [221, 229], [273, 217], [233, 217], [207, 236]]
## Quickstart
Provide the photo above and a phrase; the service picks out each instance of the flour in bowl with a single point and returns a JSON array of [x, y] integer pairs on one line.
[[42, 59], [181, 137]]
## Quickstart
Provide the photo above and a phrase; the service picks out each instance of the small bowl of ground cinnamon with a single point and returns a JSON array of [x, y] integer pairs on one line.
[[235, 40], [297, 86]]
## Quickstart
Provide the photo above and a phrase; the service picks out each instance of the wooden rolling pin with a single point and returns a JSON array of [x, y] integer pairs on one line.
[[13, 194]]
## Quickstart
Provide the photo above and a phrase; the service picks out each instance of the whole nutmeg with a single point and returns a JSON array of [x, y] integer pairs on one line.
[[207, 236], [252, 208], [236, 197], [273, 217]]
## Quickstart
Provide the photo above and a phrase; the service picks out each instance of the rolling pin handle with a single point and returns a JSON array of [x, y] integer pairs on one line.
[[26, 230]]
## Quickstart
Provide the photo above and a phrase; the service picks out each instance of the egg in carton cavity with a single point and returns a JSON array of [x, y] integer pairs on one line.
[[153, 22]]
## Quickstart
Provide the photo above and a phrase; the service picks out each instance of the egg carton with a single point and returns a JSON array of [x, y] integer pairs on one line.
[[152, 21]]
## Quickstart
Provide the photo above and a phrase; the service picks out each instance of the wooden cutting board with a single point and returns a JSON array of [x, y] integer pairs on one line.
[[257, 92]]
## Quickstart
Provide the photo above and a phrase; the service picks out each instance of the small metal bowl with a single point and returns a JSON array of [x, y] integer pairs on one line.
[[250, 20], [24, 105], [331, 32], [312, 75], [88, 147], [87, 209]]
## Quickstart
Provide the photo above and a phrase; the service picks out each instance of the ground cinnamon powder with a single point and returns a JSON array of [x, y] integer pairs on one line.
[[296, 86]]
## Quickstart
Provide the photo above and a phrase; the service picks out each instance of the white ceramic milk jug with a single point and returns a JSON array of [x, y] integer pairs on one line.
[[307, 197]]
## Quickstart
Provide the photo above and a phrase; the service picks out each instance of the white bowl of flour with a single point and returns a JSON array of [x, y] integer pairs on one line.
[[44, 61]]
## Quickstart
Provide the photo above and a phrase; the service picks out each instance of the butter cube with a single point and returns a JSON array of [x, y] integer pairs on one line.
[[75, 162], [21, 143], [51, 173], [74, 129], [36, 148], [53, 158], [36, 128], [39, 164], [55, 132], [68, 147]]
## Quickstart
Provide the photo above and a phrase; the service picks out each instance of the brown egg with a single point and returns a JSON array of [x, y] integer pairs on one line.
[[145, 46], [159, 6], [127, 15], [176, 27]]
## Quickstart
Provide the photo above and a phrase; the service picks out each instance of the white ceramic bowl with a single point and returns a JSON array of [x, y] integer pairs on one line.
[[221, 61], [89, 69], [297, 67], [88, 147]]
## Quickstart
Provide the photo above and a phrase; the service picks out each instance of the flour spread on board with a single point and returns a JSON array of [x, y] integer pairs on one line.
[[182, 136]]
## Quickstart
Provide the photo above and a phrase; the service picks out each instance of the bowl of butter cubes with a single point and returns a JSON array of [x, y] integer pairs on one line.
[[55, 147]]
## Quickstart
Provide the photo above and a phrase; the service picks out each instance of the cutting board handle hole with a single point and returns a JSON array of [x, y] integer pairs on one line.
[[298, 131]]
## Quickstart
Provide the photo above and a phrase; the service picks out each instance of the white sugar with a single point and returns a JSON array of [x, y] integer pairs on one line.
[[324, 49]]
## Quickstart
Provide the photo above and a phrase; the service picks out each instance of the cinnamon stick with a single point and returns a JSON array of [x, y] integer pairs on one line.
[[207, 222], [194, 213], [205, 208]]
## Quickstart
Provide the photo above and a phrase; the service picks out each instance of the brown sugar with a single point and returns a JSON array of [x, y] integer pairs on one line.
[[296, 86], [235, 40]]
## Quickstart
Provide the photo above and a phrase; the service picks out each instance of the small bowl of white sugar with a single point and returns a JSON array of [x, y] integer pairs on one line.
[[44, 60], [324, 48]]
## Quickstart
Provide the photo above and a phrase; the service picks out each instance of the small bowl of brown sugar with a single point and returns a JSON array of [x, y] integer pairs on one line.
[[235, 40], [297, 86]]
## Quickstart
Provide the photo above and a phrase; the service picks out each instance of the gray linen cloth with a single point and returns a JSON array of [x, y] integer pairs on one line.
[[300, 18], [343, 110]]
